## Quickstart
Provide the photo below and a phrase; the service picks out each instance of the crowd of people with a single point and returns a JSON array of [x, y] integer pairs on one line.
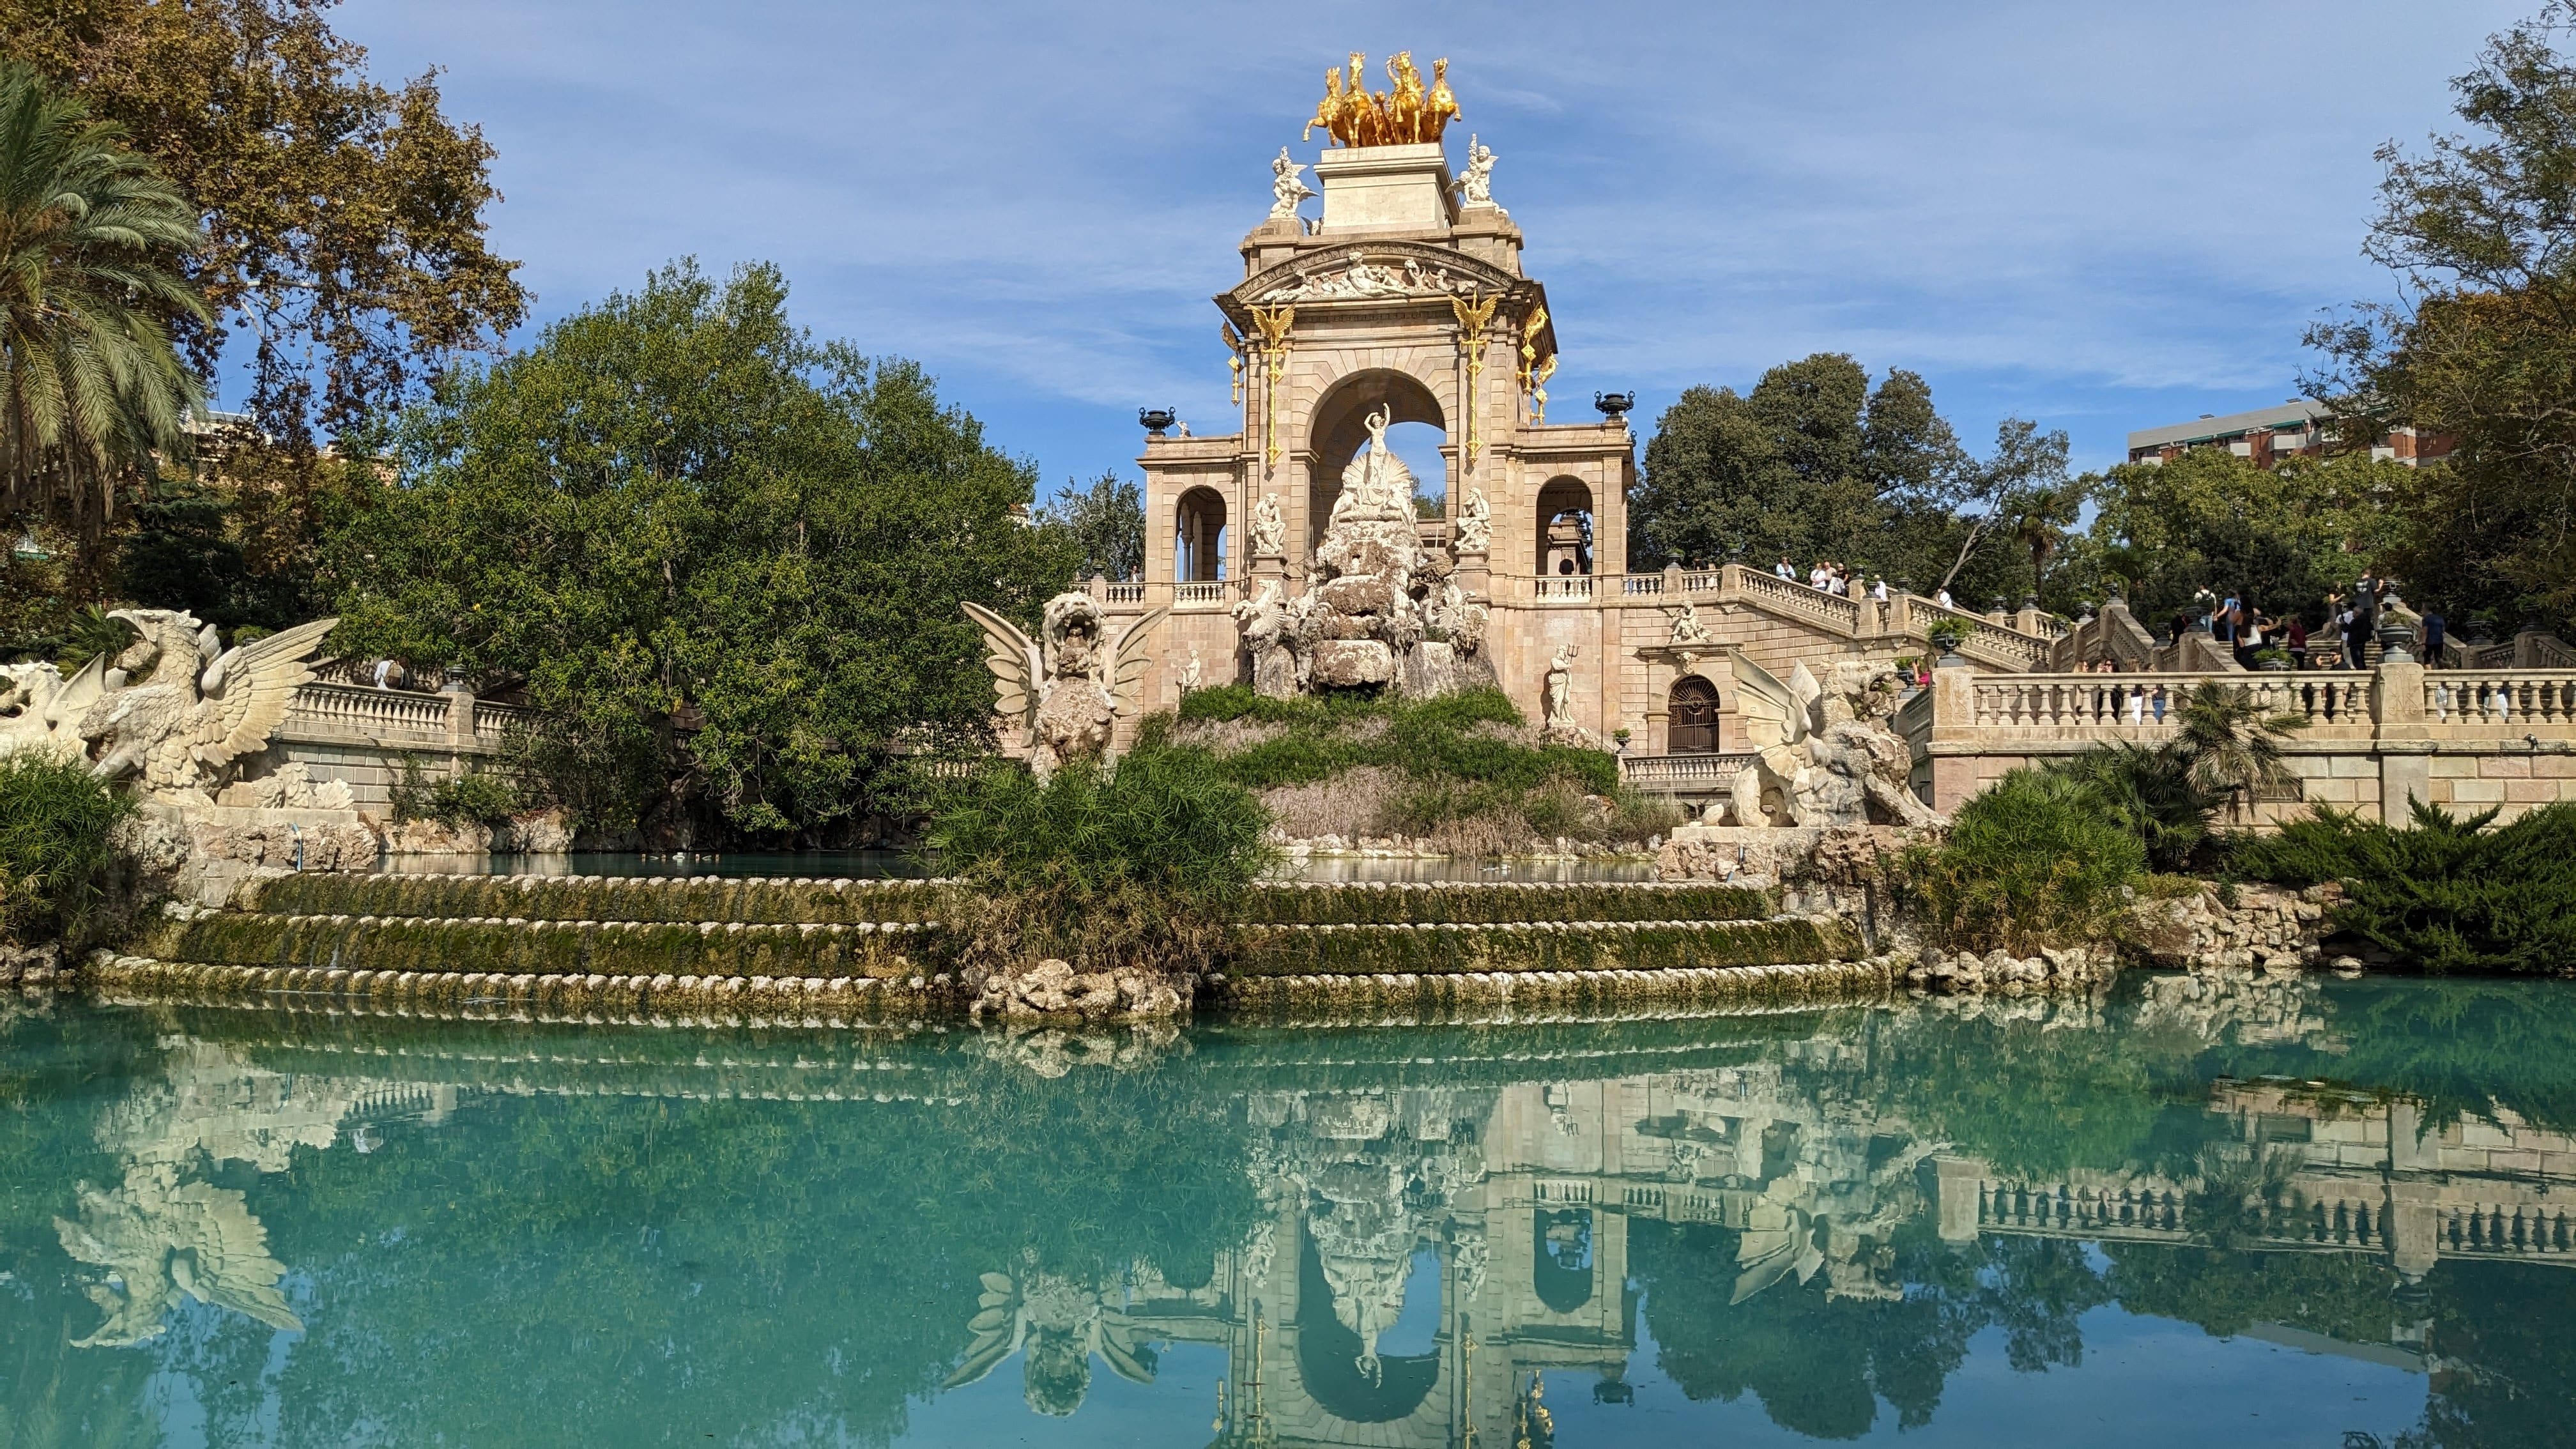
[[2351, 621], [1833, 578]]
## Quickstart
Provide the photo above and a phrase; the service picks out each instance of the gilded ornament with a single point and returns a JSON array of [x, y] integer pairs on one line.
[[1473, 315], [1273, 325], [1408, 112]]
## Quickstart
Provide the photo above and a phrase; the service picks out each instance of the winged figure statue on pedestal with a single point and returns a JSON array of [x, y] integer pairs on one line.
[[1068, 688]]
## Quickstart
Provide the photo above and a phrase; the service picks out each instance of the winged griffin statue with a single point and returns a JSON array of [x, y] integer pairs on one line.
[[194, 709], [1068, 688], [1822, 754]]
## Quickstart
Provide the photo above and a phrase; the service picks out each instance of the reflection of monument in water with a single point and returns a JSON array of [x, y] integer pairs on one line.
[[1443, 1226]]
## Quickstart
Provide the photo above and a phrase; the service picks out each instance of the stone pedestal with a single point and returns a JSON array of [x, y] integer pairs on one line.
[[1385, 188]]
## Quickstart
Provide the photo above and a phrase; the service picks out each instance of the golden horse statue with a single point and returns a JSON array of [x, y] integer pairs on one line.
[[1410, 112]]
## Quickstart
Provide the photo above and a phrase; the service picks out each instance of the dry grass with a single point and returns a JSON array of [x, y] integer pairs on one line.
[[1350, 804]]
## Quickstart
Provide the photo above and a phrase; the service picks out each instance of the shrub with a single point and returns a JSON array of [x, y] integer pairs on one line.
[[2149, 793], [1135, 866], [475, 797], [2446, 893], [57, 851], [2036, 860]]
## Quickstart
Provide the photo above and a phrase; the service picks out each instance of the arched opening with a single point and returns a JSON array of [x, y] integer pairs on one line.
[[1198, 544], [1340, 1374], [1564, 528], [1338, 426], [1561, 1257], [1692, 726]]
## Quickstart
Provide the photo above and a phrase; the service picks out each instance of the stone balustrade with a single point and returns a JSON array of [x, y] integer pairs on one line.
[[2368, 740], [1682, 773], [366, 736]]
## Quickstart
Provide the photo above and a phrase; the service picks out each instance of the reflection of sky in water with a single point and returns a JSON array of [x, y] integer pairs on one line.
[[1760, 1230]]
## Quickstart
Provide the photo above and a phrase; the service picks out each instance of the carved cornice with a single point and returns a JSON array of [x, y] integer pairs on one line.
[[1375, 273]]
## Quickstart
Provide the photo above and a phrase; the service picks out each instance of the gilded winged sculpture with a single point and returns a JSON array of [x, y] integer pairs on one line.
[[1060, 1323], [1068, 688], [194, 710]]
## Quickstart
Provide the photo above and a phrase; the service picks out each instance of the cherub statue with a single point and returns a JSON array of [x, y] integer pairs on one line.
[[196, 711], [1068, 689], [1286, 188], [1476, 185], [1475, 523], [1269, 529]]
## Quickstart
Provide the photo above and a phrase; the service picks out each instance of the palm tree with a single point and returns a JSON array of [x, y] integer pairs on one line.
[[91, 238], [2227, 743]]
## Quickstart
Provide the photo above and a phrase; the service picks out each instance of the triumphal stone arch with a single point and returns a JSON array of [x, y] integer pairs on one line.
[[1290, 550]]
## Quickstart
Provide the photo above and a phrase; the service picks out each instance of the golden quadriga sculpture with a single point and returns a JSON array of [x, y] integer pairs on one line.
[[1407, 114]]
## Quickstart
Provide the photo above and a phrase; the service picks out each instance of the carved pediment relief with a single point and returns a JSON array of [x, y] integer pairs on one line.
[[1372, 273]]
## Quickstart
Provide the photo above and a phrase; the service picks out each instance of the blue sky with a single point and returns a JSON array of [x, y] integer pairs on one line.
[[2104, 217]]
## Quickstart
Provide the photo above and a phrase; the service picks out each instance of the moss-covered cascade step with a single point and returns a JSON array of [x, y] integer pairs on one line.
[[853, 902], [1352, 903], [1597, 947], [666, 999], [888, 949], [1526, 997], [692, 899]]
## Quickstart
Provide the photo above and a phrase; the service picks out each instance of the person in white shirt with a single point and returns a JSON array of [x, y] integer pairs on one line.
[[1783, 570], [1942, 597], [1878, 588], [1819, 576], [384, 671]]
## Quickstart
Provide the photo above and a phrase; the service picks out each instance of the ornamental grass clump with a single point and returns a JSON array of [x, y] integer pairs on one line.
[[2037, 860], [58, 855], [1133, 866], [2444, 893]]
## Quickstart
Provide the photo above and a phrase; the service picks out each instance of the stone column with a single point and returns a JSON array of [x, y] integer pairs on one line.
[[1954, 1197], [460, 724], [1954, 720], [2402, 739]]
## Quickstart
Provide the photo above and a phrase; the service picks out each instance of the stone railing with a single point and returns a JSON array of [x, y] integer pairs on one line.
[[2150, 702], [1199, 595], [1123, 593], [1786, 596], [1682, 772], [355, 712], [2373, 740], [1562, 587], [2500, 696], [1995, 643]]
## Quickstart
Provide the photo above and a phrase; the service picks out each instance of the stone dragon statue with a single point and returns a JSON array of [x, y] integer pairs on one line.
[[1067, 689], [195, 709]]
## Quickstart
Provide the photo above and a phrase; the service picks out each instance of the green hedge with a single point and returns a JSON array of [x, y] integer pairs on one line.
[[1396, 950], [641, 950], [2445, 893]]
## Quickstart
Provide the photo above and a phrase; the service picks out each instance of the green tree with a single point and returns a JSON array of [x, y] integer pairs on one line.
[[725, 559], [91, 243], [2481, 232], [2282, 538], [1104, 525], [1815, 463]]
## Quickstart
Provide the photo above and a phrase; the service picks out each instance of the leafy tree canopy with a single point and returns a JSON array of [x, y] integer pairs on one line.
[[2282, 538], [344, 220], [1104, 524], [728, 559], [2480, 230], [1815, 463]]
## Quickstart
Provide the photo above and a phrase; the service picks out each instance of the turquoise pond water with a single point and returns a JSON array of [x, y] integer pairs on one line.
[[2328, 1214]]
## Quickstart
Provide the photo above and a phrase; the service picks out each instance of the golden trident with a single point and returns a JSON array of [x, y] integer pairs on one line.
[[1472, 317], [1233, 357], [1273, 325]]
